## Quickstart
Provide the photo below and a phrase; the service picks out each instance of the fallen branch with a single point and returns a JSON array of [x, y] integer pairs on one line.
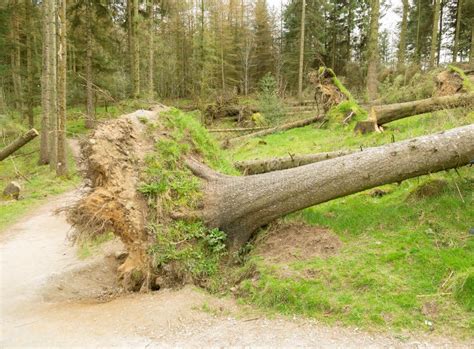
[[18, 143], [285, 127], [242, 129], [251, 167]]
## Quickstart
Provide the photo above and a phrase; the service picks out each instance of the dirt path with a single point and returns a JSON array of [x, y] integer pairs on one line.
[[49, 297]]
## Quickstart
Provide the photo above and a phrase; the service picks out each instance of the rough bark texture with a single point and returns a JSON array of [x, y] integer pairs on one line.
[[402, 45], [301, 61], [251, 167], [45, 102], [90, 111], [373, 51], [18, 143], [434, 34], [240, 205], [289, 126], [237, 129], [61, 162], [391, 112], [457, 31]]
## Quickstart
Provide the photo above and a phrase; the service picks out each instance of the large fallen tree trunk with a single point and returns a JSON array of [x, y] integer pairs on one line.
[[250, 167], [236, 129], [18, 143], [285, 127], [240, 205], [387, 113], [123, 152]]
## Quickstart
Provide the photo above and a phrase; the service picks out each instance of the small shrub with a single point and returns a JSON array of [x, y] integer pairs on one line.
[[270, 104]]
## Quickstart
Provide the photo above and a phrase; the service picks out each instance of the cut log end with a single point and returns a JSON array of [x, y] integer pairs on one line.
[[366, 127]]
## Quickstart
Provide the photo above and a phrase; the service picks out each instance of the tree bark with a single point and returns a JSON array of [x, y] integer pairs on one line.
[[29, 64], [241, 129], [52, 85], [18, 143], [251, 167], [373, 51], [151, 50], [240, 205], [301, 62], [434, 33], [285, 127], [402, 45], [61, 163], [387, 113], [457, 31], [45, 88], [90, 110], [471, 53]]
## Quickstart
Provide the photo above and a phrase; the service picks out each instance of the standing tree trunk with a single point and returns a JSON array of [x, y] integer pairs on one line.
[[402, 44], [471, 54], [45, 84], [151, 50], [434, 33], [29, 64], [457, 31], [15, 57], [301, 63], [240, 205], [136, 51], [418, 32], [90, 110], [440, 32], [373, 54], [61, 164], [53, 82]]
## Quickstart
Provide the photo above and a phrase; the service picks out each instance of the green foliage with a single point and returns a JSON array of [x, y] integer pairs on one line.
[[464, 289], [405, 88], [270, 104]]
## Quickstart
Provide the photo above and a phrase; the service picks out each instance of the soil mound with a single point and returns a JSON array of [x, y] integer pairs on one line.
[[448, 83], [429, 189], [289, 242]]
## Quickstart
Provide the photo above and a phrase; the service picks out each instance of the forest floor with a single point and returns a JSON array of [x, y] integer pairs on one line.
[[51, 297], [380, 269]]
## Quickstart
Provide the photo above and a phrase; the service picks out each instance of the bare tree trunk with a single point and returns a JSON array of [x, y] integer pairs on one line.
[[289, 126], [384, 114], [301, 63], [457, 31], [418, 43], [373, 59], [53, 82], [471, 54], [251, 167], [402, 45], [240, 205], [45, 85], [136, 51], [151, 50], [29, 64], [18, 143], [434, 33], [90, 110], [16, 58], [61, 164], [440, 31]]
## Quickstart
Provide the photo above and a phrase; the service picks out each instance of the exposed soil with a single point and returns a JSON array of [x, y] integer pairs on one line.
[[448, 83], [428, 190], [287, 242]]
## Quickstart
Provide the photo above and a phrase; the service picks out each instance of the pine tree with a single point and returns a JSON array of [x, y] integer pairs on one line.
[[373, 54]]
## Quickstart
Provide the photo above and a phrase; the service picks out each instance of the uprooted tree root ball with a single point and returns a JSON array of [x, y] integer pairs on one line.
[[141, 190]]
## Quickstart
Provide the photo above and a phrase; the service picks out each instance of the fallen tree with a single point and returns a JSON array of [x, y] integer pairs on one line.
[[18, 143], [143, 191], [295, 124], [383, 114], [236, 129], [250, 167]]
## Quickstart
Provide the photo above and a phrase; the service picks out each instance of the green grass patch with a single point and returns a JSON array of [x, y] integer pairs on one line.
[[407, 256]]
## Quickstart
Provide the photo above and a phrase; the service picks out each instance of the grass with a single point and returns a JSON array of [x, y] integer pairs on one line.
[[401, 254]]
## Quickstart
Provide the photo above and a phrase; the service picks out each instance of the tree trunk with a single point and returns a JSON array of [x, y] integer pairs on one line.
[[434, 33], [289, 126], [457, 30], [237, 129], [251, 167], [90, 110], [240, 205], [301, 63], [418, 40], [471, 54], [16, 57], [45, 88], [387, 113], [53, 82], [151, 50], [373, 54], [61, 163], [29, 64], [18, 143], [402, 45], [440, 31]]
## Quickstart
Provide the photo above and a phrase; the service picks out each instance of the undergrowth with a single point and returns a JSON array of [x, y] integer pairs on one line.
[[466, 82]]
